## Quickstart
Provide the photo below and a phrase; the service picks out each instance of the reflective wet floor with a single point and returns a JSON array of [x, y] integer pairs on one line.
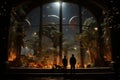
[[60, 78]]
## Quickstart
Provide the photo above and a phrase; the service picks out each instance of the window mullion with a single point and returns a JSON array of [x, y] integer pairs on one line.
[[60, 46], [40, 28]]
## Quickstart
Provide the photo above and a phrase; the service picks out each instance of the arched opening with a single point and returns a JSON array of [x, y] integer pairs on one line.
[[40, 38]]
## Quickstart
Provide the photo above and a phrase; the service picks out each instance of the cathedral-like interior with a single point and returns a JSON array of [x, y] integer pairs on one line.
[[38, 34]]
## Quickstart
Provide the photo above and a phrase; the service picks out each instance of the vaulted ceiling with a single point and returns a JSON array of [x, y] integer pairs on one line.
[[95, 6]]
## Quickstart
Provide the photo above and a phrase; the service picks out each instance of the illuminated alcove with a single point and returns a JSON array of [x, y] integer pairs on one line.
[[41, 37]]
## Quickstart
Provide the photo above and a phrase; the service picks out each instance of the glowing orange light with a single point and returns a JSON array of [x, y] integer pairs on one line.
[[12, 56]]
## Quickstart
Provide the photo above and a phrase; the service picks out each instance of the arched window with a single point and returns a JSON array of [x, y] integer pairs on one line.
[[47, 33]]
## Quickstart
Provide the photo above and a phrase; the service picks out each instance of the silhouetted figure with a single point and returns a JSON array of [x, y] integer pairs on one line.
[[64, 61], [72, 61]]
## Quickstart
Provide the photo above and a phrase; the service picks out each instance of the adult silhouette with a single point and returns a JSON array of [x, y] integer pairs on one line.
[[65, 62], [72, 61]]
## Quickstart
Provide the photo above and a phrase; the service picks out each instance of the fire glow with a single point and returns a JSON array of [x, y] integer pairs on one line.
[[12, 56]]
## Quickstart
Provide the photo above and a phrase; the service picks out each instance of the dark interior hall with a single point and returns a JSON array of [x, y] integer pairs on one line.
[[106, 16]]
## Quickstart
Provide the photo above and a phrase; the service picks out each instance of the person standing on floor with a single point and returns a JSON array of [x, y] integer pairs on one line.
[[72, 61], [65, 62]]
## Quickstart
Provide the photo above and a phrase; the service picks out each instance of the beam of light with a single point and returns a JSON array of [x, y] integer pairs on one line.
[[57, 4]]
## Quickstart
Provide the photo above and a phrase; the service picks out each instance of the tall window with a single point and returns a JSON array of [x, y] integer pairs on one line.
[[47, 33]]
